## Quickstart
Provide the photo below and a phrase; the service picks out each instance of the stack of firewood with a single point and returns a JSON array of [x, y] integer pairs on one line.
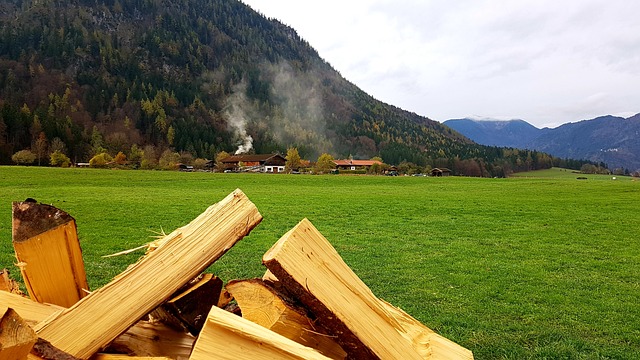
[[308, 305]]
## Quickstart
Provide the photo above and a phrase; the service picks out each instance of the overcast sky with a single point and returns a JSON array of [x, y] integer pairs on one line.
[[547, 62]]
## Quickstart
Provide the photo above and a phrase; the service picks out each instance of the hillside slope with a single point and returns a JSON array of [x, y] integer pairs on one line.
[[152, 77], [200, 76]]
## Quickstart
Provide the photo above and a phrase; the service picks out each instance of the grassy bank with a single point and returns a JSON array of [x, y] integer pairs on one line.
[[518, 268]]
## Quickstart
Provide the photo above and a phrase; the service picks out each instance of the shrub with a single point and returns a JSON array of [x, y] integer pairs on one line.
[[169, 160], [24, 157], [100, 160], [57, 158], [200, 163]]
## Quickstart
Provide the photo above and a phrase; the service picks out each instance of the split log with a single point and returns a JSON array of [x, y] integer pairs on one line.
[[427, 342], [154, 340], [311, 269], [190, 307], [87, 327], [46, 243], [31, 311], [262, 305], [142, 339], [16, 337], [229, 337], [8, 284]]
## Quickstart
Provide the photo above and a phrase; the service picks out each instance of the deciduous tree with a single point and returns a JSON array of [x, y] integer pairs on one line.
[[40, 147], [293, 160], [324, 164], [57, 158], [24, 157]]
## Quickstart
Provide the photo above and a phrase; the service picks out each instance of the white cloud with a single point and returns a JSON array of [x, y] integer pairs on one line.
[[540, 60]]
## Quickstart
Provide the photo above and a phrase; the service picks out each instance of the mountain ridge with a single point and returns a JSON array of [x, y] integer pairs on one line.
[[605, 139]]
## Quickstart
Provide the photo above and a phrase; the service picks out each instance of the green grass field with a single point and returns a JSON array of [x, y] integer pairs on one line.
[[542, 266]]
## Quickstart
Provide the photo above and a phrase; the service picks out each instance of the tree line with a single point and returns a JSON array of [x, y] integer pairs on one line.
[[147, 78]]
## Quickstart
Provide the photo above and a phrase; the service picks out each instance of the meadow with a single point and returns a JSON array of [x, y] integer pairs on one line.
[[531, 267]]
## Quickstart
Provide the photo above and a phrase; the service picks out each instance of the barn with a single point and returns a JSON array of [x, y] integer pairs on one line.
[[440, 172]]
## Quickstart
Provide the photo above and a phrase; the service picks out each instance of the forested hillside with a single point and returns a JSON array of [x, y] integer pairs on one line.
[[142, 77]]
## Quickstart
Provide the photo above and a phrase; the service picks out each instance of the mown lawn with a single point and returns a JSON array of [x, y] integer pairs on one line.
[[530, 267]]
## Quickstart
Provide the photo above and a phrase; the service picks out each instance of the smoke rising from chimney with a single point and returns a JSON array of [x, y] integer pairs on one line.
[[235, 113]]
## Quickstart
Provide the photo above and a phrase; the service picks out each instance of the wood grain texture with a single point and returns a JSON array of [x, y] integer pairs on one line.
[[311, 269], [16, 337], [226, 336], [86, 327], [49, 256], [263, 305]]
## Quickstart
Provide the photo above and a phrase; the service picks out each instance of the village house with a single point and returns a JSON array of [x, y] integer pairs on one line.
[[267, 163], [440, 172], [355, 164]]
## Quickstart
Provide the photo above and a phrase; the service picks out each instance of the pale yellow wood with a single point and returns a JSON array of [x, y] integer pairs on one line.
[[260, 304], [428, 343], [229, 337], [52, 267], [46, 243], [31, 311], [16, 337], [142, 339], [127, 357], [311, 269], [154, 340], [101, 316], [269, 277]]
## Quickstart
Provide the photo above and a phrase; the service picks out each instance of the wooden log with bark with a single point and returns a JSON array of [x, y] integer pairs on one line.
[[154, 340], [189, 308], [46, 243], [86, 327], [226, 336], [263, 305], [142, 339], [312, 270]]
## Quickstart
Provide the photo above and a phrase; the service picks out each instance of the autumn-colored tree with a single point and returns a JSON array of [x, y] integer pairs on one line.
[[219, 157], [169, 160], [200, 163], [171, 135], [120, 158], [324, 164], [293, 160], [57, 158], [100, 160], [149, 158], [40, 147], [24, 157]]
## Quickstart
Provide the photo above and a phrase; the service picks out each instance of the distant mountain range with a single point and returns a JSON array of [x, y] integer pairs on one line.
[[609, 139]]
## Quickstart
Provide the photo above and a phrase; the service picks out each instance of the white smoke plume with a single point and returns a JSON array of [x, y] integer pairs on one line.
[[236, 103]]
